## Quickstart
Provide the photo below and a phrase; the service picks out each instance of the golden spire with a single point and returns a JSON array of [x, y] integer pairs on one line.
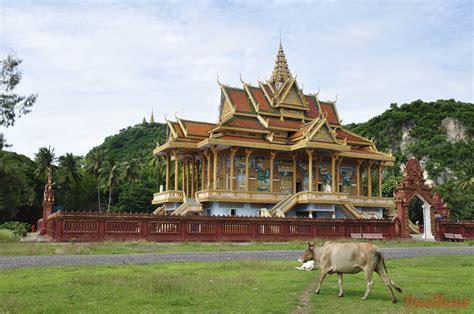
[[281, 72]]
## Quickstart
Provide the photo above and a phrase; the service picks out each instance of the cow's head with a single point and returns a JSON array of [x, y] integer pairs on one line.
[[309, 254]]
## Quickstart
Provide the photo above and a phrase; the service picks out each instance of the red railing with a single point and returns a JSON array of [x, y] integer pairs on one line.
[[88, 226], [465, 228]]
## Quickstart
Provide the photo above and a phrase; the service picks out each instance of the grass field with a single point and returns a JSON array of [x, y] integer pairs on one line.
[[69, 248], [244, 286]]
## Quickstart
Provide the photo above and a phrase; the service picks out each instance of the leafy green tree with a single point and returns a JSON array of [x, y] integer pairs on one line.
[[68, 170], [44, 160], [110, 175], [12, 106], [130, 171], [95, 161]]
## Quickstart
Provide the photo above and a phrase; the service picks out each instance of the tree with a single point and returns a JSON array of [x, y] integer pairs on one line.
[[131, 171], [12, 106], [95, 162], [68, 170], [44, 160], [110, 177]]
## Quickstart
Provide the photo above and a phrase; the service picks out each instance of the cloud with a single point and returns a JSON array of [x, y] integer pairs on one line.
[[101, 66]]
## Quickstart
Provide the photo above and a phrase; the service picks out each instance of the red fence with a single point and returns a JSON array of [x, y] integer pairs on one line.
[[465, 228], [74, 226]]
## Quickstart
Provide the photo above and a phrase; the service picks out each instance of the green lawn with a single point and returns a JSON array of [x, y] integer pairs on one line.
[[21, 248], [244, 286]]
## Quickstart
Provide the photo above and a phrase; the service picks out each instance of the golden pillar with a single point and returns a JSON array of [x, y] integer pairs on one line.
[[369, 178], [183, 177], [176, 168], [208, 156], [294, 172], [233, 150], [272, 159], [310, 168], [214, 176], [338, 175], [358, 177], [203, 176], [167, 157], [333, 173], [379, 177], [193, 176], [247, 159], [317, 173]]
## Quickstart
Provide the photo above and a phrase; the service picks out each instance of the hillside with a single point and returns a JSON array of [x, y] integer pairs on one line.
[[441, 135]]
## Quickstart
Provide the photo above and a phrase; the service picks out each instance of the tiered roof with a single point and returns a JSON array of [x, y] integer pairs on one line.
[[275, 114]]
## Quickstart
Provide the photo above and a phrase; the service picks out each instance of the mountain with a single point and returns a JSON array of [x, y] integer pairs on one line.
[[441, 135]]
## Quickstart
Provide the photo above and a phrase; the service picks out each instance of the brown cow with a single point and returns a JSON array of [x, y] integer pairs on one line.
[[350, 258]]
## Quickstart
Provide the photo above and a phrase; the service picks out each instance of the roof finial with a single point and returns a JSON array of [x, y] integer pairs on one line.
[[281, 72]]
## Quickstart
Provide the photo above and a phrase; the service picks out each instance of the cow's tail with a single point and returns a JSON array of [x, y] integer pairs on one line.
[[381, 262]]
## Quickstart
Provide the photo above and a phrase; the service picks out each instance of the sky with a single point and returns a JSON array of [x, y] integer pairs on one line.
[[100, 66]]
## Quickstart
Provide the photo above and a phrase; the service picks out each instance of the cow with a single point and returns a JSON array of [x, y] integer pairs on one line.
[[350, 258]]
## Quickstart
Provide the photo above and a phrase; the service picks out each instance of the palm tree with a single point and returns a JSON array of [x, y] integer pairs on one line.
[[158, 167], [94, 164], [44, 160], [131, 171], [69, 169], [109, 175]]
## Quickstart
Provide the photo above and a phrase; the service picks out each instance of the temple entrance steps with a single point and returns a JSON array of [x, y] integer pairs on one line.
[[160, 210], [414, 229], [285, 205], [353, 212], [190, 205]]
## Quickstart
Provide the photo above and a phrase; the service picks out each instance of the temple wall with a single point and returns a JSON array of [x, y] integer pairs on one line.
[[241, 209]]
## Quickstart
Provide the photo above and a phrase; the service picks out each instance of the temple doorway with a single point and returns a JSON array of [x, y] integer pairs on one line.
[[415, 214]]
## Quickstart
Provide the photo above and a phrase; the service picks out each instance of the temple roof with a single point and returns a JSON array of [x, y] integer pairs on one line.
[[275, 114]]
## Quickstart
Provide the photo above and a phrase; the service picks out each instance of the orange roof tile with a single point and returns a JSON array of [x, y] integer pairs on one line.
[[285, 124], [300, 131], [341, 134], [239, 99], [313, 107], [198, 128], [329, 108], [260, 98], [178, 129], [248, 123], [268, 90]]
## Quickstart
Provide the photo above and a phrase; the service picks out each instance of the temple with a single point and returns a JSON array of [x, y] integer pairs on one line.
[[275, 152]]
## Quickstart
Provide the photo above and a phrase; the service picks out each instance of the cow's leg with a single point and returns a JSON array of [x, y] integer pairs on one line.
[[339, 281], [322, 275], [370, 283], [383, 274]]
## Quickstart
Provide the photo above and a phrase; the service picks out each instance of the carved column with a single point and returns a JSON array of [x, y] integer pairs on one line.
[[317, 173], [183, 177], [203, 176], [176, 168], [167, 158], [208, 156], [333, 173], [358, 177], [294, 172], [310, 168], [233, 150], [247, 172], [379, 177], [369, 178], [216, 155], [338, 175], [193, 177], [272, 159]]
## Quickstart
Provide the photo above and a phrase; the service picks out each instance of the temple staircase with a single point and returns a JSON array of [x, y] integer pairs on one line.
[[285, 205], [160, 210], [413, 228], [190, 205], [353, 212]]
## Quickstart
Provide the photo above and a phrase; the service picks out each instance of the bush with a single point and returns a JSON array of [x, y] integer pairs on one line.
[[18, 228], [8, 236]]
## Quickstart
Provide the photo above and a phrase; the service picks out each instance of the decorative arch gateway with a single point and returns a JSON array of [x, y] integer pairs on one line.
[[414, 185]]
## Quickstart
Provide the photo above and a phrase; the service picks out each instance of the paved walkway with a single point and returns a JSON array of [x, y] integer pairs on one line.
[[122, 259]]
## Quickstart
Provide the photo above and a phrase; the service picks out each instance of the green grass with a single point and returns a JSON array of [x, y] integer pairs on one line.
[[244, 286], [69, 248]]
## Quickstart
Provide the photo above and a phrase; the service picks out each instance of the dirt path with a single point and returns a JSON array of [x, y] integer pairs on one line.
[[304, 304]]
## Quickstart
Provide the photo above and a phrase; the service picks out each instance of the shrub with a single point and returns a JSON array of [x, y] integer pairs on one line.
[[18, 228], [8, 236]]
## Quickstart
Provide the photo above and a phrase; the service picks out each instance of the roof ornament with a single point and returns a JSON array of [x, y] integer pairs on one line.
[[281, 72], [220, 84], [243, 82], [166, 117]]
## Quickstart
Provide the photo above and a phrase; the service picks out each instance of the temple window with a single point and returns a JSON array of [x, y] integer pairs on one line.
[[262, 170], [347, 174], [239, 170], [325, 175]]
